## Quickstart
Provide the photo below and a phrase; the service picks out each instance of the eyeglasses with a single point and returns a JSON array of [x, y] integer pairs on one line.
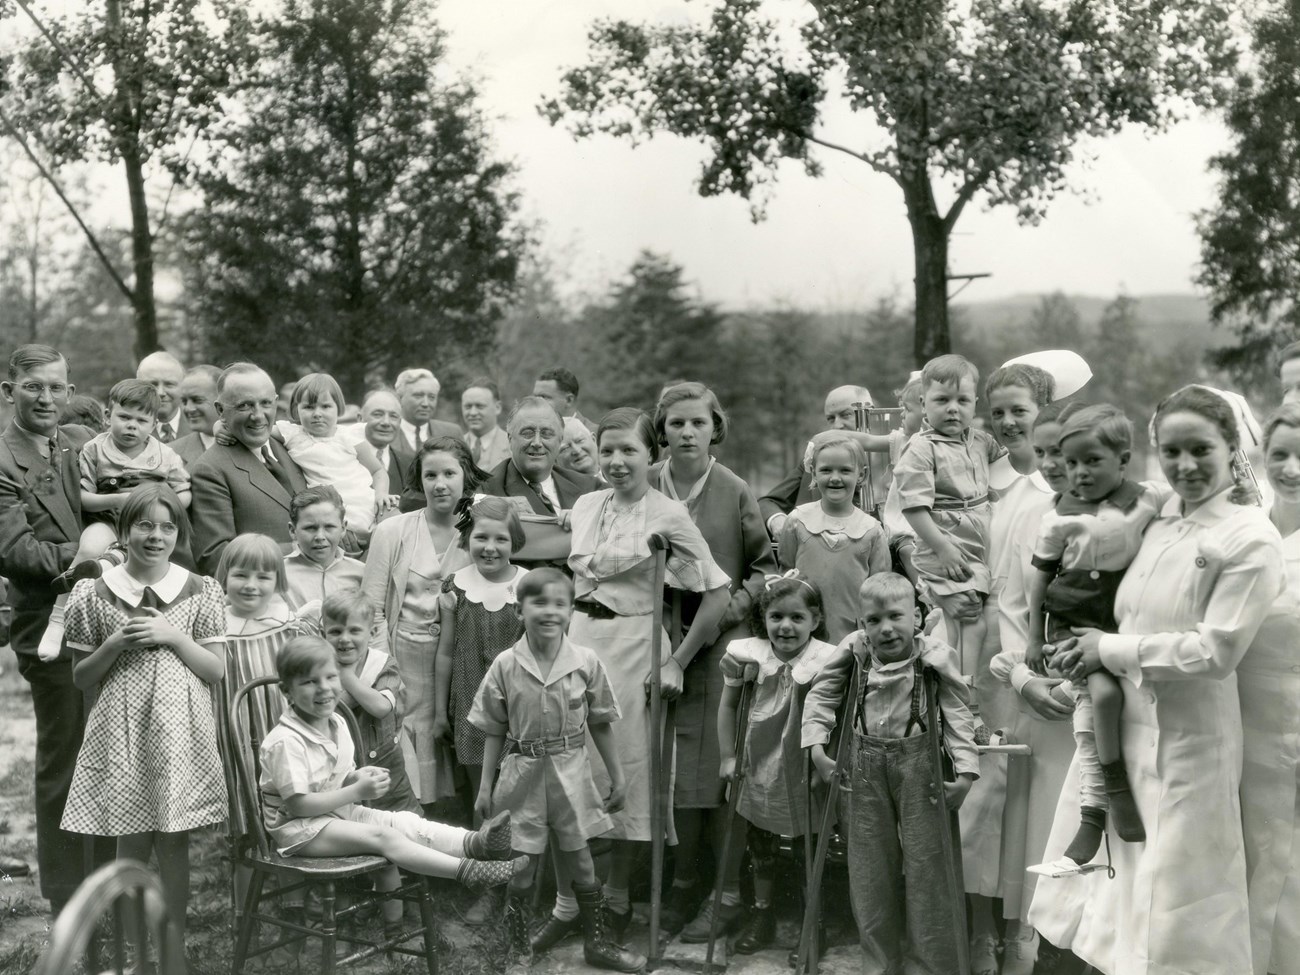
[[166, 527], [36, 389]]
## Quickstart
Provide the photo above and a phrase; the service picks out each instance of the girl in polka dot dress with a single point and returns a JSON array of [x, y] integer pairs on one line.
[[148, 636]]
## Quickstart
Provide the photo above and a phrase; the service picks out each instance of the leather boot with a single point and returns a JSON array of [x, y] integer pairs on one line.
[[518, 924], [553, 931], [759, 931], [599, 948]]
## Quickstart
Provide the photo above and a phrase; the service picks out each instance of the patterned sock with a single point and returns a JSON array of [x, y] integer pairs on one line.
[[491, 841], [482, 874]]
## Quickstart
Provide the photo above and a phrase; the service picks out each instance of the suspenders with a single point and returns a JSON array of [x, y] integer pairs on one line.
[[914, 718]]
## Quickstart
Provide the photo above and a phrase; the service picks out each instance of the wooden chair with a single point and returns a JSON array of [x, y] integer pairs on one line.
[[254, 851], [112, 888]]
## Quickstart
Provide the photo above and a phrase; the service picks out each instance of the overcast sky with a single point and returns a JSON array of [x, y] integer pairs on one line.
[[838, 241]]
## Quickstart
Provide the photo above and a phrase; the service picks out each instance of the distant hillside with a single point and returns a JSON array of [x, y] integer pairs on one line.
[[1174, 318]]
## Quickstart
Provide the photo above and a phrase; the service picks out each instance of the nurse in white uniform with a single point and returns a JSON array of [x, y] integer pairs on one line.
[[1189, 607], [1268, 682]]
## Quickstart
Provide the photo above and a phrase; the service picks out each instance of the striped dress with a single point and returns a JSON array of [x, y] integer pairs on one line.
[[251, 646]]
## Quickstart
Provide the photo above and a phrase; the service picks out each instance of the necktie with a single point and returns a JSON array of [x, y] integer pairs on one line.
[[546, 502], [476, 451], [165, 432], [52, 451], [277, 470]]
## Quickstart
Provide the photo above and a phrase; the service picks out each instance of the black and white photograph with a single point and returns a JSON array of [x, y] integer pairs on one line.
[[725, 487]]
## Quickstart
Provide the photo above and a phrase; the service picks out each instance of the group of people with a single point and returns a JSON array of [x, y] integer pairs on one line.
[[484, 602]]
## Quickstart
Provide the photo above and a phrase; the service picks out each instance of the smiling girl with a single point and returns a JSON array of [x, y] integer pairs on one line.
[[830, 541], [478, 619], [148, 638], [613, 575]]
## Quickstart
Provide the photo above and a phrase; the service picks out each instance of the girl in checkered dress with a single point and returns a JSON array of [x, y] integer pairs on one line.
[[148, 637]]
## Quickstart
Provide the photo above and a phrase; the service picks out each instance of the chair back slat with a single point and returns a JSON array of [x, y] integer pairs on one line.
[[248, 766]]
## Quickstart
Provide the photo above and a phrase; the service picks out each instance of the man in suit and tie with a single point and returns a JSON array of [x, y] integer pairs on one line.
[[198, 392], [536, 430], [164, 372], [417, 392], [381, 416], [796, 487], [480, 406], [245, 487], [40, 524]]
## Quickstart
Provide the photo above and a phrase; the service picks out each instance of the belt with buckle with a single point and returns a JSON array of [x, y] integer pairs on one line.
[[537, 747], [597, 611], [953, 504]]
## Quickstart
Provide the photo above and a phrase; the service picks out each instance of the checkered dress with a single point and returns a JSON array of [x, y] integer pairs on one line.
[[149, 757]]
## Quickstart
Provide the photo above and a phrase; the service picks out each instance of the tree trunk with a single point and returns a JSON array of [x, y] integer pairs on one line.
[[146, 311], [125, 107], [930, 253]]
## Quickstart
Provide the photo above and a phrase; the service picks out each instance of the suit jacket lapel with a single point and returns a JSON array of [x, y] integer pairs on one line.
[[258, 475], [517, 486], [54, 483]]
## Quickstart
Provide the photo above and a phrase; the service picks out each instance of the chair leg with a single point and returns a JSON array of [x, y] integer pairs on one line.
[[247, 923], [329, 928], [426, 916]]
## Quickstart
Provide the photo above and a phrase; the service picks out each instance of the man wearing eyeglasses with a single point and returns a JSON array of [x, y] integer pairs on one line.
[[40, 523], [247, 486]]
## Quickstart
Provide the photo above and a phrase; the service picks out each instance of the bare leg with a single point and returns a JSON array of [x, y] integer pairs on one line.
[[1107, 709]]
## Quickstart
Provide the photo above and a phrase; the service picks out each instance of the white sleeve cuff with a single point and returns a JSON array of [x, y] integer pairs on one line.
[[1119, 655]]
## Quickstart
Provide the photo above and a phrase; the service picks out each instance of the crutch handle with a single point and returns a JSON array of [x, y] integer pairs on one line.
[[659, 543]]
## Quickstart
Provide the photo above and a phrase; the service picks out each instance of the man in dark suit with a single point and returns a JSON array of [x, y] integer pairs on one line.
[[164, 372], [381, 415], [535, 431], [245, 487], [417, 393], [198, 394], [40, 524], [796, 487]]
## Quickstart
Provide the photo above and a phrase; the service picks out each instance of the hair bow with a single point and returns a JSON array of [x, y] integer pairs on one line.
[[770, 579]]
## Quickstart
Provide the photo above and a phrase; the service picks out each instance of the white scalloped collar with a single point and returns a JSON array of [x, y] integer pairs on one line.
[[492, 596], [817, 521]]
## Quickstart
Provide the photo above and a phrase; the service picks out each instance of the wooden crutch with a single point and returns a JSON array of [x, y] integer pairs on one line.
[[733, 802], [660, 549], [949, 819], [807, 952]]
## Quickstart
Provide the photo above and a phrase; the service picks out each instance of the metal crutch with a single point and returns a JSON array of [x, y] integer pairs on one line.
[[807, 956], [733, 802]]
